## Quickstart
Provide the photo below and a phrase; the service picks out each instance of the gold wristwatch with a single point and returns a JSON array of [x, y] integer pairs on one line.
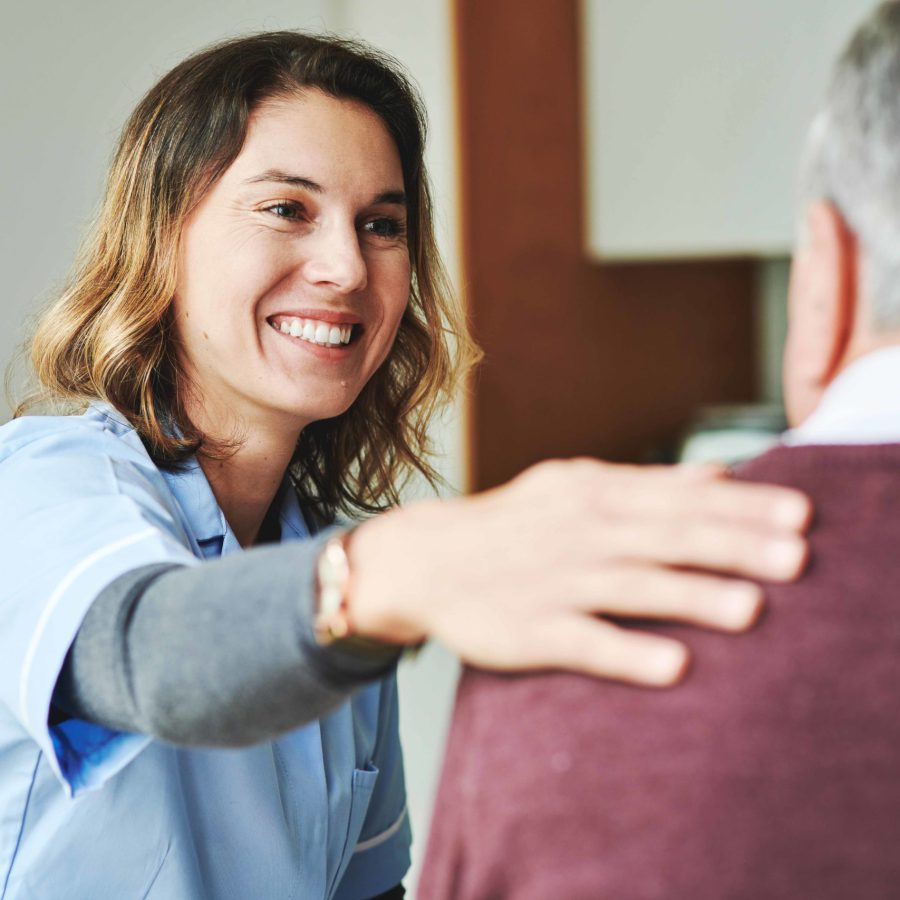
[[331, 621]]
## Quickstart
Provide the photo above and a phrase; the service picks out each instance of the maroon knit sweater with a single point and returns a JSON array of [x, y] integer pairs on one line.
[[772, 772]]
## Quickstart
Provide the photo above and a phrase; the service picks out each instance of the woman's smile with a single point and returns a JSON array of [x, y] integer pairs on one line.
[[314, 330]]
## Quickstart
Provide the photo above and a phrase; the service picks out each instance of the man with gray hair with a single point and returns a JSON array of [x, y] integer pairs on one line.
[[774, 771]]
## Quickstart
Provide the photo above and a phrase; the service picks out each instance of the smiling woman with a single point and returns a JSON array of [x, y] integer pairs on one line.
[[314, 121], [260, 329], [256, 338], [291, 288]]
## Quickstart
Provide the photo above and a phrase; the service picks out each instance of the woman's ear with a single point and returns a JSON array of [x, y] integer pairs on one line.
[[821, 308]]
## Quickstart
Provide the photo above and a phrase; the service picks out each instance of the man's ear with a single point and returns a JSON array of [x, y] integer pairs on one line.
[[821, 308]]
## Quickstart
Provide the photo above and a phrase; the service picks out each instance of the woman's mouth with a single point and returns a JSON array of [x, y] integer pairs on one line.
[[315, 331]]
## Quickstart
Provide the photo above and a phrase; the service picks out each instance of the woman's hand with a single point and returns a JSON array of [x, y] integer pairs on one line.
[[515, 578]]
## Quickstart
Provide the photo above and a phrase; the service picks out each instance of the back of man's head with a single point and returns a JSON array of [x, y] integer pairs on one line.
[[845, 278], [853, 155]]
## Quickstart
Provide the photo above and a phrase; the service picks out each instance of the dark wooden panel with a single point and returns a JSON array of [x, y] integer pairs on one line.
[[609, 360]]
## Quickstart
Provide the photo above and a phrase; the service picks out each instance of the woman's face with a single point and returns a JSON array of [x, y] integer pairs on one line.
[[294, 269]]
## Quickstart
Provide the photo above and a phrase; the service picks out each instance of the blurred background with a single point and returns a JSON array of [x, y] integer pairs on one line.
[[614, 182]]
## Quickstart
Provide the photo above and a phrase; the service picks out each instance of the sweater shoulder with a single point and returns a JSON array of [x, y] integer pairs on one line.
[[819, 463]]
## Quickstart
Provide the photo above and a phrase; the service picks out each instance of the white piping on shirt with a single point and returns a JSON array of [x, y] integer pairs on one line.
[[383, 836], [57, 595]]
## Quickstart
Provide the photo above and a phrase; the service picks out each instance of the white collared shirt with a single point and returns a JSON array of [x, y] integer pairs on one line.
[[861, 405]]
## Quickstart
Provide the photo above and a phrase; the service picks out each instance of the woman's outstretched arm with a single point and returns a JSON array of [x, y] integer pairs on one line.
[[520, 577], [220, 654]]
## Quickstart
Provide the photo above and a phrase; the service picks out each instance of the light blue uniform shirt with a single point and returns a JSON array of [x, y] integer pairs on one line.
[[89, 812]]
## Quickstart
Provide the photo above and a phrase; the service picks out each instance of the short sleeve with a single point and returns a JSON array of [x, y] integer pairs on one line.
[[381, 857], [81, 505]]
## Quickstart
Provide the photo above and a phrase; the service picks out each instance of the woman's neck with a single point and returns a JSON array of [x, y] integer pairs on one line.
[[245, 484], [247, 479]]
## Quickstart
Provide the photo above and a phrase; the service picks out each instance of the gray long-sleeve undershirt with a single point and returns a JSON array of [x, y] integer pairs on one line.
[[220, 654]]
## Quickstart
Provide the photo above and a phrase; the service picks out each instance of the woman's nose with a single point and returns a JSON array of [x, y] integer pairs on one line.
[[335, 259]]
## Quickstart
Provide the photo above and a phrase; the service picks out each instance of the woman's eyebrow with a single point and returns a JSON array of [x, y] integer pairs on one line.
[[284, 178], [393, 197], [397, 198]]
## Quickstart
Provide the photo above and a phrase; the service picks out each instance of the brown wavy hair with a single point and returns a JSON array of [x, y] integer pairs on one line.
[[110, 335]]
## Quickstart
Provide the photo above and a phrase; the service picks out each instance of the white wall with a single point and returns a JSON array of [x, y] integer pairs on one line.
[[70, 73], [695, 115]]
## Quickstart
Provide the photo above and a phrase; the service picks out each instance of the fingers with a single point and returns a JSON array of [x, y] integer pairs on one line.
[[692, 492], [649, 592], [599, 648], [492, 637], [721, 546], [758, 504]]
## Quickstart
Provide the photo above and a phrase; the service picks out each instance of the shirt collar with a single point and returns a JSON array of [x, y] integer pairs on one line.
[[861, 405], [205, 520], [293, 523], [198, 503]]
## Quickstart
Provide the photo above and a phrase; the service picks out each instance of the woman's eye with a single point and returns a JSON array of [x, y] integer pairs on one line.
[[386, 227], [285, 210]]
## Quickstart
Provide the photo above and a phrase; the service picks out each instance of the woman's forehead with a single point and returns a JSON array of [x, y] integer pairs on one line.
[[334, 142]]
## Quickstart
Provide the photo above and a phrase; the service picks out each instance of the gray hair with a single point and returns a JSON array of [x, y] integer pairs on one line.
[[852, 154]]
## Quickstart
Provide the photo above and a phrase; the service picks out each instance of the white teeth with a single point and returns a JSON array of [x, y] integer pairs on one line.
[[316, 332]]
